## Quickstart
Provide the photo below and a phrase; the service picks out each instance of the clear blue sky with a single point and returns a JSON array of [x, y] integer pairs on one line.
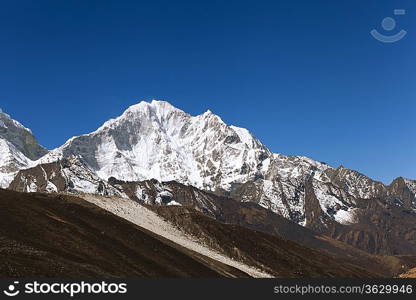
[[305, 77]]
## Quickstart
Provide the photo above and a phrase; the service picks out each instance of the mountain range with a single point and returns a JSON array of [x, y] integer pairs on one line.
[[156, 154]]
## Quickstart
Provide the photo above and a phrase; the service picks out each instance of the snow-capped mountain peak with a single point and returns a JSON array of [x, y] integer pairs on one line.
[[18, 148], [5, 118], [157, 140]]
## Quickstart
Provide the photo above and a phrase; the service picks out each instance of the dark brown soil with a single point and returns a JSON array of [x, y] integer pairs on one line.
[[282, 258], [64, 236]]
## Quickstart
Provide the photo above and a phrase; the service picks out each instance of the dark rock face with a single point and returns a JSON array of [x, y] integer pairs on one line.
[[383, 218], [381, 229], [67, 175], [38, 173], [315, 218], [401, 194]]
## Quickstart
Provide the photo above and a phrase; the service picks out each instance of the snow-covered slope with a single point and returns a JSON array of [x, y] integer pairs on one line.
[[411, 184], [18, 148], [157, 140], [11, 160]]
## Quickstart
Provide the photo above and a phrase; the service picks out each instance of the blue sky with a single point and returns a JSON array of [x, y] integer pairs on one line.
[[305, 77]]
